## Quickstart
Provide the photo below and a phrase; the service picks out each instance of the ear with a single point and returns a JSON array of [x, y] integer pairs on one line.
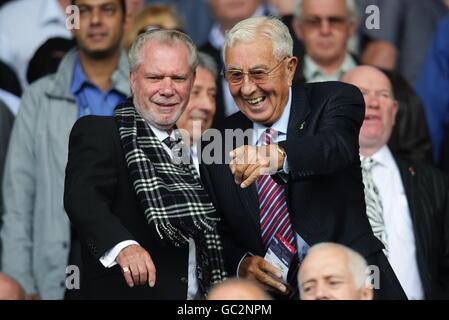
[[395, 107], [291, 69], [297, 28], [132, 81], [353, 24], [367, 293]]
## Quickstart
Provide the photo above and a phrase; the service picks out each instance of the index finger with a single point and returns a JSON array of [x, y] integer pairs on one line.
[[151, 271]]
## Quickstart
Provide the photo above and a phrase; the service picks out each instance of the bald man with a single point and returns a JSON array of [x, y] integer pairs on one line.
[[332, 271], [407, 201], [10, 289], [238, 289]]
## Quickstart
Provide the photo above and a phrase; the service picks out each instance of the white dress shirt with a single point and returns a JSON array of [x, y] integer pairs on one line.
[[108, 259], [398, 223], [24, 26]]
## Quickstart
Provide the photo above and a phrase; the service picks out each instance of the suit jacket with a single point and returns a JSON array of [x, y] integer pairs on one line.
[[427, 191], [324, 188], [102, 205]]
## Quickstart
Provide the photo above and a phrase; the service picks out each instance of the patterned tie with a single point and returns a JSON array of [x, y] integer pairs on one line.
[[374, 209], [274, 217]]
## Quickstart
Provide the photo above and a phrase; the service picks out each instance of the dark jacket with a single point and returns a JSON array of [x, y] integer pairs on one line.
[[102, 205], [325, 189], [427, 191]]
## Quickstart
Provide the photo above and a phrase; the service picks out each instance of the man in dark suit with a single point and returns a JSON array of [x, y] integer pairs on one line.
[[146, 223], [409, 211], [314, 154]]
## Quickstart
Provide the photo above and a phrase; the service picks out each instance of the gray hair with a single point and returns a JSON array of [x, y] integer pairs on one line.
[[351, 6], [269, 27], [356, 263], [206, 61], [162, 36]]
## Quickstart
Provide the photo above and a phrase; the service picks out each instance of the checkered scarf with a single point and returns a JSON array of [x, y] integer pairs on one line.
[[172, 195]]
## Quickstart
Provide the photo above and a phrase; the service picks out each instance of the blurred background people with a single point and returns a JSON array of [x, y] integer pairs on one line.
[[92, 79], [432, 87], [400, 42], [24, 26], [325, 27], [155, 16], [238, 289], [332, 271], [201, 108], [407, 202]]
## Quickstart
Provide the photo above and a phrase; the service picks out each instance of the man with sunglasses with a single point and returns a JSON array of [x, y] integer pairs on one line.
[[297, 181], [325, 26]]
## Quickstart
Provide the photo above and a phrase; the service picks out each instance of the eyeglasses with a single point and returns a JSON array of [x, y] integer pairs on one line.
[[258, 76], [333, 21]]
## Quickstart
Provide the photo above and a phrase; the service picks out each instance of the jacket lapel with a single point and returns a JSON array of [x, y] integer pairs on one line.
[[299, 111], [248, 197]]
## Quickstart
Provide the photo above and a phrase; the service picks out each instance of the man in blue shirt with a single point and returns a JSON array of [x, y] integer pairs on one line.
[[92, 79]]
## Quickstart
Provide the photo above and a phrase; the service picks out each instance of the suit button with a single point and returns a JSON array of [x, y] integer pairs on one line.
[[183, 279]]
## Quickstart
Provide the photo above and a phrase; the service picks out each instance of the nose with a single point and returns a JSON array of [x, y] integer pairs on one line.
[[95, 17], [321, 292], [166, 88], [325, 27], [248, 86], [206, 102], [371, 101]]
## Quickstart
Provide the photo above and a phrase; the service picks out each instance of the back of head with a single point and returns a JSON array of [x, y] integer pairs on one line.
[[237, 289], [270, 27], [10, 289], [333, 271]]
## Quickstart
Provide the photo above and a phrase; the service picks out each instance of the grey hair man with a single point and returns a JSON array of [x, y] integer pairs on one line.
[[332, 271], [306, 136], [325, 27], [147, 215]]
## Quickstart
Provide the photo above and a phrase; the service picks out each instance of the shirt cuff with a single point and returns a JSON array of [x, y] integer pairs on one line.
[[238, 266], [285, 167], [108, 259]]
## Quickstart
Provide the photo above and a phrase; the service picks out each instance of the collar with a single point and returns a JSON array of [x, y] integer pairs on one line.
[[312, 70], [383, 157], [161, 134], [79, 78], [61, 85], [216, 35], [281, 125], [51, 11]]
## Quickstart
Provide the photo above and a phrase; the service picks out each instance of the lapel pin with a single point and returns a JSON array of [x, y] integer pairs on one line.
[[411, 170], [302, 125]]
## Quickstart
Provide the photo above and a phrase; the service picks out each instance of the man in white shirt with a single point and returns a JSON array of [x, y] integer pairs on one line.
[[407, 203], [27, 24], [147, 224], [325, 27]]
